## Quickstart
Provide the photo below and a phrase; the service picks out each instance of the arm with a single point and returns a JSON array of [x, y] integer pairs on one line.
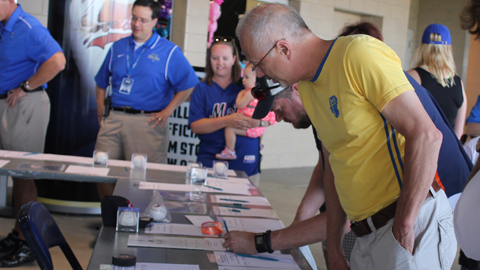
[[100, 103], [209, 125], [244, 97], [415, 75], [314, 196], [336, 220], [473, 129], [422, 146], [291, 237], [177, 100], [45, 73], [461, 114]]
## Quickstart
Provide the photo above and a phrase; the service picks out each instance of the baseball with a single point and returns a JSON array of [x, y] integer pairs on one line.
[[139, 161], [127, 219], [158, 212], [220, 168], [101, 157]]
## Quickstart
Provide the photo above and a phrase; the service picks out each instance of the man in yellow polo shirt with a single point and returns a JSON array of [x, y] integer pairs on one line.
[[380, 143]]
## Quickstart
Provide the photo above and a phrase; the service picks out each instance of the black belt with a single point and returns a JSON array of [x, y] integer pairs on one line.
[[362, 228], [4, 96], [131, 111]]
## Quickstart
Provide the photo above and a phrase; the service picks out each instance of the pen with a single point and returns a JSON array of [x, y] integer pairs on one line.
[[225, 224], [34, 153], [257, 257], [126, 169], [216, 188], [232, 206], [235, 210], [230, 200]]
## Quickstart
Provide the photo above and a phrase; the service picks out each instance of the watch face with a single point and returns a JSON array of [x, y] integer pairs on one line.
[[478, 145]]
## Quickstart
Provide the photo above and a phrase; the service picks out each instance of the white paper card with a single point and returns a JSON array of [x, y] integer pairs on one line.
[[152, 266], [226, 211], [212, 244], [253, 224], [285, 261], [250, 200], [176, 229], [198, 220], [87, 170], [232, 188], [3, 162]]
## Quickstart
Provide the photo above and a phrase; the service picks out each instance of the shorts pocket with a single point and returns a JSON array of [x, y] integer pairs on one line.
[[447, 244]]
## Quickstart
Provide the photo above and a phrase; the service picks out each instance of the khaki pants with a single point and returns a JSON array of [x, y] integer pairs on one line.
[[24, 127], [435, 243], [123, 134]]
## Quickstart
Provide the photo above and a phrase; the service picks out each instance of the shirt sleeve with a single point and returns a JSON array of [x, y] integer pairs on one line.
[[474, 116], [103, 75], [40, 45], [375, 71], [197, 104], [180, 73]]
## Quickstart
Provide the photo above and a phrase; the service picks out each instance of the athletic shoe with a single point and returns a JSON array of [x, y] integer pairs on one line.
[[18, 256], [226, 154], [9, 242]]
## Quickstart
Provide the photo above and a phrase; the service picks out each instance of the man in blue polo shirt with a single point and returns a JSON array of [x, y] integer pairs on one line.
[[29, 58], [143, 72]]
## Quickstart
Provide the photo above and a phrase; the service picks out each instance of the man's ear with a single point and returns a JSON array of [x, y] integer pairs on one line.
[[284, 48]]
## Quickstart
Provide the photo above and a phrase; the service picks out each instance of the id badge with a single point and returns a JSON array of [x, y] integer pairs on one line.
[[126, 86]]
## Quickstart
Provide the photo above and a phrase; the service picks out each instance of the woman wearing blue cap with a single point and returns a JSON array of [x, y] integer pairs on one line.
[[435, 70]]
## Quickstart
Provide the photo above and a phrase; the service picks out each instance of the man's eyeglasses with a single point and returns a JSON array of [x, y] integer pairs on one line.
[[275, 45], [142, 21], [263, 93]]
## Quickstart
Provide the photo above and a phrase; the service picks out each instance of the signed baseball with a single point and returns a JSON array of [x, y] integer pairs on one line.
[[158, 212]]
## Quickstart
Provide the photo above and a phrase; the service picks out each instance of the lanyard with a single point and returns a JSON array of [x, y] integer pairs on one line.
[[129, 69]]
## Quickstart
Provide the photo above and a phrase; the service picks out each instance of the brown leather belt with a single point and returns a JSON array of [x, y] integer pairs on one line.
[[362, 227]]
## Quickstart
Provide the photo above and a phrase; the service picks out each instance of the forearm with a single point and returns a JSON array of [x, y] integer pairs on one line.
[[177, 100], [47, 71], [421, 155], [243, 99], [307, 232], [314, 196], [100, 92], [460, 119], [208, 125]]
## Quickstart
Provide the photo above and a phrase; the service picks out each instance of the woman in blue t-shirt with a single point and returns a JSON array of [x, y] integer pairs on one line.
[[212, 108]]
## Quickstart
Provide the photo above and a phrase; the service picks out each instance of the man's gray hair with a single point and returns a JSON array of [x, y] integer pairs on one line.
[[268, 23]]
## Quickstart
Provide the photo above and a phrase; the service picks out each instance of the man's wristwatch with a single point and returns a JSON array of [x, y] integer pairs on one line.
[[25, 87], [260, 243]]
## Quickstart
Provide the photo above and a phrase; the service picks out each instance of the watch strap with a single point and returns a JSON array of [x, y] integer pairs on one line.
[[268, 241]]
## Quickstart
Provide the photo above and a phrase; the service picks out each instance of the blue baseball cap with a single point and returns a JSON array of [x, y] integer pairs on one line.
[[440, 29]]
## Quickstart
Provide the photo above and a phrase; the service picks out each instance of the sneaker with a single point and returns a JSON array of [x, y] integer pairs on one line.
[[19, 255], [226, 154], [9, 242]]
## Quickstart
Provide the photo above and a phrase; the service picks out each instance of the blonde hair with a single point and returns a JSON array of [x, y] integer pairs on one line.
[[438, 59]]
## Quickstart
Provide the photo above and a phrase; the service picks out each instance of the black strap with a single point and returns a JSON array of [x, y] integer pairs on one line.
[[131, 111]]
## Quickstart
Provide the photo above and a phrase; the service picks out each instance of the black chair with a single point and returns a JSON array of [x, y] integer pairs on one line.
[[41, 233]]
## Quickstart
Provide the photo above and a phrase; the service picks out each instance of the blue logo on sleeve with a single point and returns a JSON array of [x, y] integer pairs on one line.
[[333, 105]]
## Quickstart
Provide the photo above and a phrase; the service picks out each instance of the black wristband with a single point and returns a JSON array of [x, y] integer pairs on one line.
[[260, 243], [268, 241]]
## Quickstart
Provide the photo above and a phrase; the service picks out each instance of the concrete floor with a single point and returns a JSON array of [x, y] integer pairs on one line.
[[284, 188]]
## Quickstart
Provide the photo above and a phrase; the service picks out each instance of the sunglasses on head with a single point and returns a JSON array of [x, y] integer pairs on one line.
[[262, 93], [222, 39]]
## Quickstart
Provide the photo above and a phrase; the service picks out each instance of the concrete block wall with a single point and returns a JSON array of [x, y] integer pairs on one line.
[[319, 16], [37, 8]]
